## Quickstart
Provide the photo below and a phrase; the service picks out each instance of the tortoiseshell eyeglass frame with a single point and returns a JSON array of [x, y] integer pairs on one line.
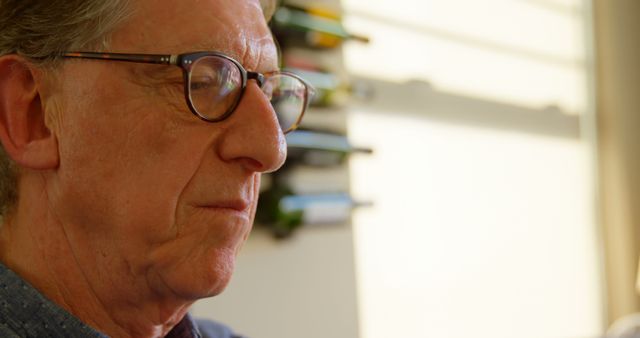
[[186, 61]]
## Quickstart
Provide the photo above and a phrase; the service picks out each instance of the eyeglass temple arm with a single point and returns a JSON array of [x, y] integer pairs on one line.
[[138, 58]]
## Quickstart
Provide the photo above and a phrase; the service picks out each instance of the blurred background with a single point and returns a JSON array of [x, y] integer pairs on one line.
[[467, 169]]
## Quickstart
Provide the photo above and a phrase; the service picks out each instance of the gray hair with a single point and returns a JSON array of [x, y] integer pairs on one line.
[[40, 29]]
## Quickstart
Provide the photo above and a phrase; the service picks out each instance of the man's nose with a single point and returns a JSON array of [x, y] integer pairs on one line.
[[254, 137]]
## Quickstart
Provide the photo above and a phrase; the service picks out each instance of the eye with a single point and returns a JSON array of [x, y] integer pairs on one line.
[[221, 81], [204, 82], [203, 77]]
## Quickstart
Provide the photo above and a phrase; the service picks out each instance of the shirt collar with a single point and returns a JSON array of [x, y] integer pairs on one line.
[[187, 328]]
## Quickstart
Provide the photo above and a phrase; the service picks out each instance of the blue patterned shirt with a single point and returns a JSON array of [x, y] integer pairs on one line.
[[26, 313]]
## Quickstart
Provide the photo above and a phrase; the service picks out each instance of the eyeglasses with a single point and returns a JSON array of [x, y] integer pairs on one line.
[[214, 84]]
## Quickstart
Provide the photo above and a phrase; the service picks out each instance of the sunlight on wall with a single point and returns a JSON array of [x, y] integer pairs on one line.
[[476, 231], [523, 52]]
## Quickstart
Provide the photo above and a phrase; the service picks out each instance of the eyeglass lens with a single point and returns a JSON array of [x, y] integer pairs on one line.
[[215, 86]]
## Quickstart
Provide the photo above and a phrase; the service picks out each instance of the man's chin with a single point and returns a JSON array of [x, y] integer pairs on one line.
[[199, 279]]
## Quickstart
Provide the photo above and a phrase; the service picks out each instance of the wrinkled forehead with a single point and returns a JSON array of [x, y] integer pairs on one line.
[[235, 27]]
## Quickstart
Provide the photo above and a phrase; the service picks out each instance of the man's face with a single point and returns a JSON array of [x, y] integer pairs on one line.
[[152, 196]]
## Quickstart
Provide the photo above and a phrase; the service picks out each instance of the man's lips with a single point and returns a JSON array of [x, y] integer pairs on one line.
[[239, 205]]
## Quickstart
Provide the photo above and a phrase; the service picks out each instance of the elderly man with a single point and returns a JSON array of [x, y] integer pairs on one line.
[[134, 134]]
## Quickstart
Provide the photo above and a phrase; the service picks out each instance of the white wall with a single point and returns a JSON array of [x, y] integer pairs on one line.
[[483, 223], [483, 178]]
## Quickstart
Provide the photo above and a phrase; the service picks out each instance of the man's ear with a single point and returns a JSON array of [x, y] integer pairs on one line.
[[23, 132]]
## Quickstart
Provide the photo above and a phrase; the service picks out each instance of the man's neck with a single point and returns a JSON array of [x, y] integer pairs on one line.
[[35, 245]]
